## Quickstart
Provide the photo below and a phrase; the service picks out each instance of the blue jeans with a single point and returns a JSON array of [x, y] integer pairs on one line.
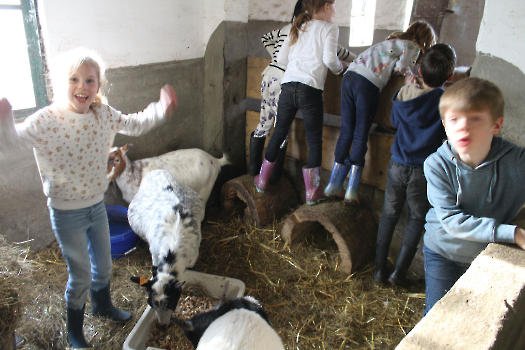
[[298, 96], [359, 98], [404, 183], [83, 235], [440, 275]]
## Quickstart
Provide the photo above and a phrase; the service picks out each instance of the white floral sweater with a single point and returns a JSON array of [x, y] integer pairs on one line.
[[378, 62], [72, 149]]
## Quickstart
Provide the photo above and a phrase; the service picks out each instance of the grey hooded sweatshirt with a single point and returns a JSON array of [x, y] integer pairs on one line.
[[473, 207]]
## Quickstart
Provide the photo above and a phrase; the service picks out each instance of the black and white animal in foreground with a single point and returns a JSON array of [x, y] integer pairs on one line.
[[238, 324], [168, 215], [192, 167]]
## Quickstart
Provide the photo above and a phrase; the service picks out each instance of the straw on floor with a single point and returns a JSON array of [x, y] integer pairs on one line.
[[311, 304]]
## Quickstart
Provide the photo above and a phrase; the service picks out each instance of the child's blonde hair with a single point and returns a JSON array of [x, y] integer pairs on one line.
[[67, 63], [419, 32], [310, 7], [473, 94]]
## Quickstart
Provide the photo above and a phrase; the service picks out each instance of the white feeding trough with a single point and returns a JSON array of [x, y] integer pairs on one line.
[[216, 286]]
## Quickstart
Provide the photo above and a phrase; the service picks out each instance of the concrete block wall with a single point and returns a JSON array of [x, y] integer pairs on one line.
[[485, 309]]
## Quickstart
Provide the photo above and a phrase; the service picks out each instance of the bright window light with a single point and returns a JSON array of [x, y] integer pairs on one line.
[[362, 22], [408, 13], [16, 83]]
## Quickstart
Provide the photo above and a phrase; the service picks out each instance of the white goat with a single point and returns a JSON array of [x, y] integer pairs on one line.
[[168, 215], [192, 167], [235, 325]]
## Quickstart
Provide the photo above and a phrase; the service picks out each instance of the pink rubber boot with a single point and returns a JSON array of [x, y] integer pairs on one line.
[[261, 180], [312, 183]]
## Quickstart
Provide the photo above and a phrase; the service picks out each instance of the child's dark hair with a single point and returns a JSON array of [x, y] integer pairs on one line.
[[437, 65], [419, 32], [473, 94], [298, 9], [310, 7]]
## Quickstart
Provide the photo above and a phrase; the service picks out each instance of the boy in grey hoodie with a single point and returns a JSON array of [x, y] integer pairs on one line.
[[475, 185]]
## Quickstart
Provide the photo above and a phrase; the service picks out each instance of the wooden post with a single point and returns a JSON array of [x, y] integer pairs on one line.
[[352, 227], [260, 209]]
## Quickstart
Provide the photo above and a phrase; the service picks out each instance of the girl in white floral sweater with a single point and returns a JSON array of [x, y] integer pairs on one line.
[[71, 140]]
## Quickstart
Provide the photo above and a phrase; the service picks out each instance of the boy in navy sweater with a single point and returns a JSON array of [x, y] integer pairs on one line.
[[415, 114]]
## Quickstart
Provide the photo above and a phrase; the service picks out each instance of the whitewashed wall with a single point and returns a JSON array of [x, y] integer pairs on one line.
[[136, 32], [125, 32], [282, 10], [390, 14], [500, 59], [501, 32]]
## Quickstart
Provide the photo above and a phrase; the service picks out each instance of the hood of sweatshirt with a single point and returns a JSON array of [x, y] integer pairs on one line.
[[499, 148], [419, 128]]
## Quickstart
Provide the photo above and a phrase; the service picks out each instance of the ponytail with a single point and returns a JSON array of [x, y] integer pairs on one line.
[[297, 24], [310, 7]]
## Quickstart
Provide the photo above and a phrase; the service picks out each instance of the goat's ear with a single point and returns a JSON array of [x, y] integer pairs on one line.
[[184, 324], [126, 147], [180, 284], [142, 281]]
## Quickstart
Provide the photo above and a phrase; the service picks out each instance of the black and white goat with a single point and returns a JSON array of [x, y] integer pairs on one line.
[[168, 215], [192, 167], [233, 325]]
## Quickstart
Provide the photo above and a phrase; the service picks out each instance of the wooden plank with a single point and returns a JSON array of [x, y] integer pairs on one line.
[[332, 93], [256, 65], [384, 107]]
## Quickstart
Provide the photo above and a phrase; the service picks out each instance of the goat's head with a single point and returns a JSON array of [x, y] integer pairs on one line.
[[117, 161], [163, 294]]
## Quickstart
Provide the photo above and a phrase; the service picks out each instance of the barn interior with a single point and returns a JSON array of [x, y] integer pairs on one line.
[[210, 51]]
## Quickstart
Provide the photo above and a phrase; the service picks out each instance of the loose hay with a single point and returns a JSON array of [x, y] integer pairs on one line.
[[194, 300], [310, 303]]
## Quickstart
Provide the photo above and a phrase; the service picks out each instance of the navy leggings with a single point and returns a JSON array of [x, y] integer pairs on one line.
[[359, 99]]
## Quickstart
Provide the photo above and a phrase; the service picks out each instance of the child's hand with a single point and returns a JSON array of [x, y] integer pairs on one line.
[[5, 109], [410, 79], [168, 99], [519, 237]]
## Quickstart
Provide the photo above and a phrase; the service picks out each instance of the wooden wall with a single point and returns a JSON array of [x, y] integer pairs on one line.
[[381, 135]]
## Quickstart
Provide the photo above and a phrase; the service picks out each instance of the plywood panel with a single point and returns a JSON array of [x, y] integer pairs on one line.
[[256, 65], [384, 107], [332, 93]]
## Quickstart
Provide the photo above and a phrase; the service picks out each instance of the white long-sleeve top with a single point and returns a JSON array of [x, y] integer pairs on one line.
[[273, 41], [309, 58], [72, 149]]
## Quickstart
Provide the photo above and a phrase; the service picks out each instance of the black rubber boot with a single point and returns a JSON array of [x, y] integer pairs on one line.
[[279, 163], [256, 154], [101, 306], [404, 259], [381, 273], [75, 326]]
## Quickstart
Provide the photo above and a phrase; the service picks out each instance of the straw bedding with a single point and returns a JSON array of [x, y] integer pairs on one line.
[[310, 303]]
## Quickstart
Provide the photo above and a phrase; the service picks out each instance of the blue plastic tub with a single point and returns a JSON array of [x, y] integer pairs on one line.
[[123, 239]]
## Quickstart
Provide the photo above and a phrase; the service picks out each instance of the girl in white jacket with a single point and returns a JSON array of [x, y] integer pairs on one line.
[[308, 52]]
